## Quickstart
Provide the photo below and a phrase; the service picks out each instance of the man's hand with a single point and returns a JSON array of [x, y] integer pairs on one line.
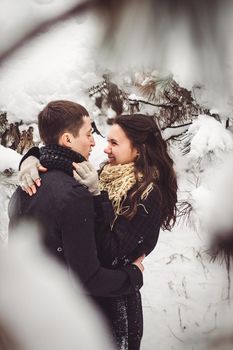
[[86, 175], [29, 174], [138, 262]]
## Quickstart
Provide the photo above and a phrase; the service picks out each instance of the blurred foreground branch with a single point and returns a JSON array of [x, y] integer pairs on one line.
[[45, 25]]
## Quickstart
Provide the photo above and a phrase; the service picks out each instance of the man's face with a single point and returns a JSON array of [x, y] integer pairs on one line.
[[84, 142]]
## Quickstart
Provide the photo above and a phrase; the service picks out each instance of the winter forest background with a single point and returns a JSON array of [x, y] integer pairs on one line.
[[133, 64]]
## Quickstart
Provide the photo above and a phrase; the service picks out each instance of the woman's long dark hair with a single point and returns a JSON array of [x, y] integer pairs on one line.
[[153, 162]]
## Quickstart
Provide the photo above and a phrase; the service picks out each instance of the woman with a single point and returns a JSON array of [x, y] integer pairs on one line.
[[141, 185], [139, 194]]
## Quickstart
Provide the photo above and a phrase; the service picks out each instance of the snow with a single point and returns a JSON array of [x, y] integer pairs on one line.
[[111, 113], [210, 162], [171, 132], [209, 137], [50, 68], [135, 97], [97, 156], [18, 17], [9, 159], [185, 297]]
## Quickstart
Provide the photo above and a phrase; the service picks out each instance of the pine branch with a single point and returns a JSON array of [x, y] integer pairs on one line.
[[184, 210], [176, 126], [164, 105]]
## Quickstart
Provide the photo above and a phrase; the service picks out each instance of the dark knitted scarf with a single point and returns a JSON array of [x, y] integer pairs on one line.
[[60, 158]]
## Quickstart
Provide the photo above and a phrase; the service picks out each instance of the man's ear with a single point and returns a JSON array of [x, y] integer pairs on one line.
[[65, 140]]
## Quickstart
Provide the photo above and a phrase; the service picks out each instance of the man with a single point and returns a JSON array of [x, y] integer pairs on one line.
[[64, 208]]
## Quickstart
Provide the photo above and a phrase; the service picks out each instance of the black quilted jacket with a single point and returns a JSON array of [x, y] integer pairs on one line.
[[126, 240]]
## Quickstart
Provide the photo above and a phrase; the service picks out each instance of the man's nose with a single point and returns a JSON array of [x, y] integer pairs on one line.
[[92, 141]]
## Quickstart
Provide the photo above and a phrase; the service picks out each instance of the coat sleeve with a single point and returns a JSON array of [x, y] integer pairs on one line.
[[79, 248], [127, 239]]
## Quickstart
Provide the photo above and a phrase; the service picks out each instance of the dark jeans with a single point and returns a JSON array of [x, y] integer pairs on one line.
[[125, 318]]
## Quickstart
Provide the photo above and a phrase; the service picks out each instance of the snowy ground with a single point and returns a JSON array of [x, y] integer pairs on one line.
[[184, 296]]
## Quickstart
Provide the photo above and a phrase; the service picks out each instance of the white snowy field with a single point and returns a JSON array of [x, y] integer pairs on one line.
[[185, 300]]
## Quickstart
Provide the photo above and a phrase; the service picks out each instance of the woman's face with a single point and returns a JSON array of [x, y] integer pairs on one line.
[[119, 148]]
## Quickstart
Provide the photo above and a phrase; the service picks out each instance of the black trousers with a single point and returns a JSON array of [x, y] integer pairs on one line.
[[124, 315]]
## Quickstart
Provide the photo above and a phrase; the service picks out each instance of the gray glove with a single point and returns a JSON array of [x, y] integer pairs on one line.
[[86, 175], [29, 173]]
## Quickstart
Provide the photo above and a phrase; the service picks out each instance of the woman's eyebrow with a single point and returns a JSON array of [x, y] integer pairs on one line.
[[111, 139]]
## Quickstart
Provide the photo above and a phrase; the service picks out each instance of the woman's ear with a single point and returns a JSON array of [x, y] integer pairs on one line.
[[137, 154], [65, 140]]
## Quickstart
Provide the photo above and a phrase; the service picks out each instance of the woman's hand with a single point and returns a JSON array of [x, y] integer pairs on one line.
[[29, 174], [87, 175]]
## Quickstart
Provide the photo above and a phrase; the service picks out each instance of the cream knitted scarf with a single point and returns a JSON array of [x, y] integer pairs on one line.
[[117, 180]]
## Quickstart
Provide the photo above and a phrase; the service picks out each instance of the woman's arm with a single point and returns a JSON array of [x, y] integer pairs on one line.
[[34, 151], [29, 167], [128, 239], [121, 239]]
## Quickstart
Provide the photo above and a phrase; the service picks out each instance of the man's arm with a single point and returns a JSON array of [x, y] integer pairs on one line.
[[79, 247]]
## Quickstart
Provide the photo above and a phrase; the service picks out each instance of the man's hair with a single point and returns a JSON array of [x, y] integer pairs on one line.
[[59, 117]]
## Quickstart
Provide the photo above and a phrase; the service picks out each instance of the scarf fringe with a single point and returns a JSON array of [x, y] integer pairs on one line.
[[117, 180]]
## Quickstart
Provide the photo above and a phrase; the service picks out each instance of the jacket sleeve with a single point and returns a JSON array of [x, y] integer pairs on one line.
[[127, 239], [34, 151], [79, 248]]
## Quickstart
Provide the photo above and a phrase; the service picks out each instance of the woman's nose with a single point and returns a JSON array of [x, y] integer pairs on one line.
[[107, 150]]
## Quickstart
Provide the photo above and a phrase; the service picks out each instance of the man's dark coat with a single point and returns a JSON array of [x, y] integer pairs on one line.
[[64, 209]]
